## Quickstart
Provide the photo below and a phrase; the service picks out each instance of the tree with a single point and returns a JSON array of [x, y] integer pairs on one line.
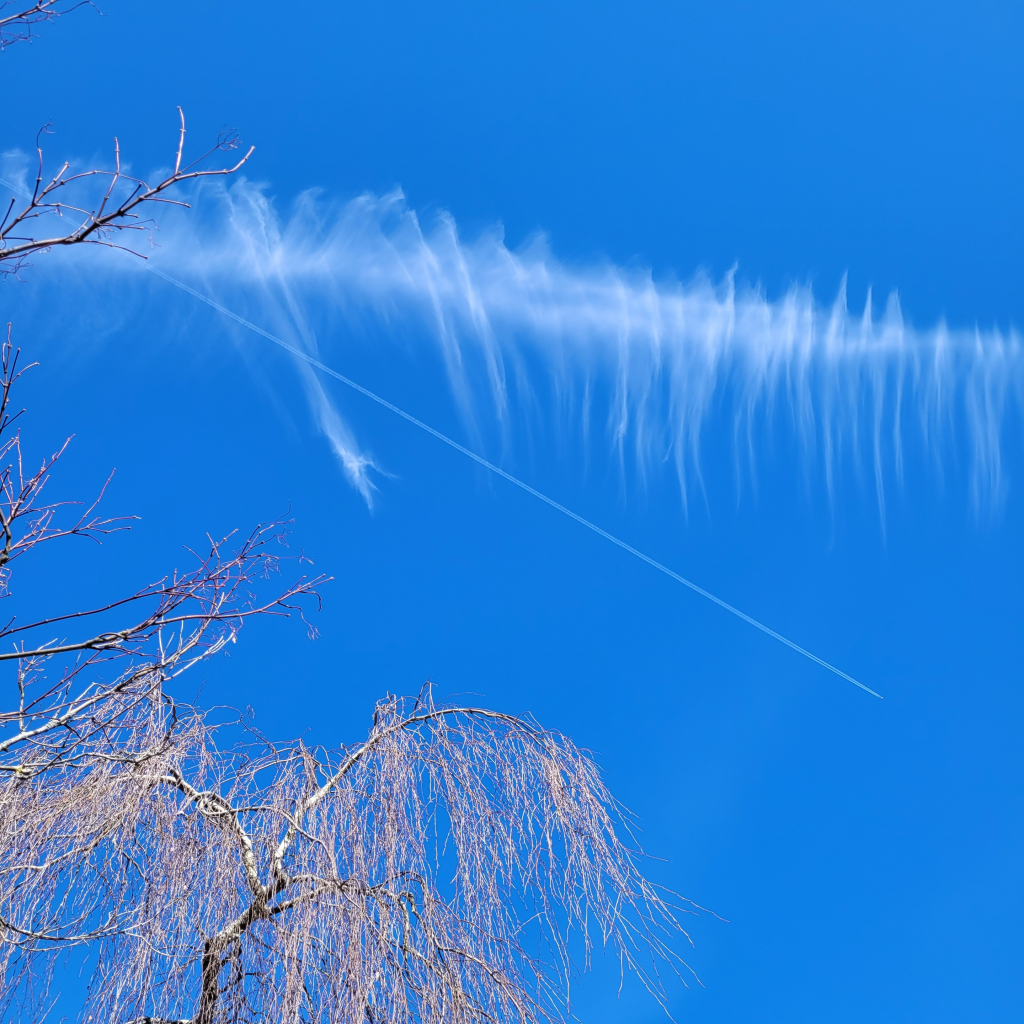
[[18, 18], [455, 865]]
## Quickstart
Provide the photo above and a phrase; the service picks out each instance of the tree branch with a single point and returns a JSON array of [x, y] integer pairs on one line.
[[17, 27], [116, 211]]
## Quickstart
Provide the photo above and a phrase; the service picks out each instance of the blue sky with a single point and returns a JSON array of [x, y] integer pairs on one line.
[[867, 854]]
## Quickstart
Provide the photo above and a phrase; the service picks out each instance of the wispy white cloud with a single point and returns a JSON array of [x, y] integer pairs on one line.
[[663, 353]]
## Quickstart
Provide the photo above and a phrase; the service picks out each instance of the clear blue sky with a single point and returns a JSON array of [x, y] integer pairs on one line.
[[867, 854]]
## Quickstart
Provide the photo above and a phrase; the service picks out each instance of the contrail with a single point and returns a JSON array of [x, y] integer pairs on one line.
[[579, 318], [498, 471]]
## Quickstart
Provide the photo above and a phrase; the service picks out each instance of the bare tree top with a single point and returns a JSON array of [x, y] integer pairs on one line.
[[18, 18], [458, 865], [66, 208]]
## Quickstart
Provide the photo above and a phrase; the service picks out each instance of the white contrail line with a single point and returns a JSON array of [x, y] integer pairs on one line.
[[488, 465], [323, 368]]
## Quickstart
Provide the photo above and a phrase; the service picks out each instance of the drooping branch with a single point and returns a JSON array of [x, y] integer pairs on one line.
[[420, 865], [477, 959]]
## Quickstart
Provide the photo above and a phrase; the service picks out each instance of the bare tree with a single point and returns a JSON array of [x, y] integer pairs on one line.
[[456, 865], [88, 686], [18, 17], [93, 206], [56, 202]]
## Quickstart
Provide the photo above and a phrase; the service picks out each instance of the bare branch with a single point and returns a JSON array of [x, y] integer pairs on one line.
[[110, 212], [16, 26], [457, 865]]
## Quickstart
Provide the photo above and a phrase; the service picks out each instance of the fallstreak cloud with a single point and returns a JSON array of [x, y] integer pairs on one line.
[[851, 385], [661, 355], [666, 351]]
